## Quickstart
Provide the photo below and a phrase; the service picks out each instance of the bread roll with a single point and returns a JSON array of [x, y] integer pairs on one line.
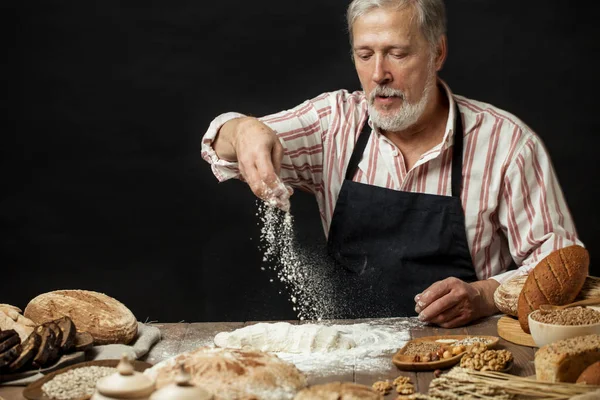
[[557, 280], [338, 391], [565, 360], [105, 318], [232, 374], [590, 375], [506, 296], [11, 319]]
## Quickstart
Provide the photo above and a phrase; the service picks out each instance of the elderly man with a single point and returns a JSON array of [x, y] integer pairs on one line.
[[428, 199]]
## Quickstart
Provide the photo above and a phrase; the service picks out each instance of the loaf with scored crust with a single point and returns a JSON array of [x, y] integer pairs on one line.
[[557, 280], [105, 318], [565, 360]]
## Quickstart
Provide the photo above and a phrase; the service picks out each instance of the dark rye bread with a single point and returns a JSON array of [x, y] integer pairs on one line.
[[68, 330], [47, 349], [9, 356], [29, 349], [9, 341], [55, 345], [557, 280]]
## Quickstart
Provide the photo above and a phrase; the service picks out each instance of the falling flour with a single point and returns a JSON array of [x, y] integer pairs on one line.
[[309, 292]]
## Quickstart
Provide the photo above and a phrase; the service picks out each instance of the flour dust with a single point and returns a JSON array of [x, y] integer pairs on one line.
[[376, 343], [298, 269]]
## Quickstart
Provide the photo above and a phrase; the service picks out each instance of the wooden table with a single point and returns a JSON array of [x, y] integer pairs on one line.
[[180, 337]]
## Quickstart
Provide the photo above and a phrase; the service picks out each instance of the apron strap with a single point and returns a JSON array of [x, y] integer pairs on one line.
[[457, 155], [359, 149]]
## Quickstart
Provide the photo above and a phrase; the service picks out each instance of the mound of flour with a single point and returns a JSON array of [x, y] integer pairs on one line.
[[285, 337], [365, 346]]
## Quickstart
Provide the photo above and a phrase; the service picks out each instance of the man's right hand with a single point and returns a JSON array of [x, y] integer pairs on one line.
[[258, 152]]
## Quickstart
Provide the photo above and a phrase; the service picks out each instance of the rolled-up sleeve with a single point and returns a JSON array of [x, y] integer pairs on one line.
[[222, 169]]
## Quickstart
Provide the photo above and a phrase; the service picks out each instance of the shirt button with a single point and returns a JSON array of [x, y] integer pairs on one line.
[[395, 153]]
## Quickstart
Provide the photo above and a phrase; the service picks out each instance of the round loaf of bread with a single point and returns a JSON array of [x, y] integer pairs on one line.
[[338, 391], [105, 318], [590, 375], [232, 374], [557, 280], [506, 296]]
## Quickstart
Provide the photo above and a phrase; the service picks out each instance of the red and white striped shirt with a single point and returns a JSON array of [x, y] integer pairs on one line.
[[514, 206]]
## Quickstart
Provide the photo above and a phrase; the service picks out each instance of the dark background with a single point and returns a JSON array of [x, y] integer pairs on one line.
[[104, 185]]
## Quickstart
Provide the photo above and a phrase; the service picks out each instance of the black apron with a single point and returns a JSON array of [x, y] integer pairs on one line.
[[390, 245]]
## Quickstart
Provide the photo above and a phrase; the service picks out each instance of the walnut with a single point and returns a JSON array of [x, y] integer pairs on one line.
[[382, 387], [490, 360], [406, 388], [401, 380]]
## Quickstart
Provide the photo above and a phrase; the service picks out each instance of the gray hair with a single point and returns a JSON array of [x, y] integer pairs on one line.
[[430, 14]]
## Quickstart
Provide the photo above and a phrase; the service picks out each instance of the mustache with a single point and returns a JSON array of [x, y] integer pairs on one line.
[[385, 91]]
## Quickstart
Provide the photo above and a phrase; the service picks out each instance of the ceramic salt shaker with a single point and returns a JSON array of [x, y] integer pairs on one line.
[[126, 383], [181, 389]]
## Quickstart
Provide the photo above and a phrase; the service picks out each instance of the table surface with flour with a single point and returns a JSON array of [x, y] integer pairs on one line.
[[366, 360]]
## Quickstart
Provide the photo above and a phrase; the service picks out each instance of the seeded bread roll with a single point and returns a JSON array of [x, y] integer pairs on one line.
[[557, 280], [104, 317], [565, 360]]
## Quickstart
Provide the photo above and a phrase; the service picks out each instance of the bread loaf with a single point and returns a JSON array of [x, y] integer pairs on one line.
[[565, 360], [506, 296], [105, 318], [232, 374], [10, 318], [338, 391], [590, 375], [557, 280]]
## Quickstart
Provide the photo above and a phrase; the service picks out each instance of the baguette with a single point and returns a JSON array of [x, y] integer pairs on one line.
[[557, 280]]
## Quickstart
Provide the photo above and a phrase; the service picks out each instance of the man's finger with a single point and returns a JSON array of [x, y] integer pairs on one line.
[[276, 157], [253, 180], [432, 293], [437, 307], [457, 321], [447, 315]]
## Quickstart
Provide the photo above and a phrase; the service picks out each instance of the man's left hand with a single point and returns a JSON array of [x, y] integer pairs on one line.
[[451, 302]]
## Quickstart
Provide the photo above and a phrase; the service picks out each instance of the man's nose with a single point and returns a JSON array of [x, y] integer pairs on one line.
[[381, 74]]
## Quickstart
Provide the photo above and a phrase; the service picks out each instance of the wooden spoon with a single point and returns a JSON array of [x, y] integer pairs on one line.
[[546, 308]]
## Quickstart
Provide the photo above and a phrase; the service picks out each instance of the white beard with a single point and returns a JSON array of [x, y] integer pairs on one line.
[[407, 115]]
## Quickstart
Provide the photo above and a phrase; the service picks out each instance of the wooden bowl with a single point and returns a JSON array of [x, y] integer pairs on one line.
[[34, 390], [406, 362]]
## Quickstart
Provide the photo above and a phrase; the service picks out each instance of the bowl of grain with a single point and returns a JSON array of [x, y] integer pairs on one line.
[[562, 324]]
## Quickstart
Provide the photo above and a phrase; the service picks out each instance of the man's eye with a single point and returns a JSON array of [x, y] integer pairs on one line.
[[398, 55], [364, 56]]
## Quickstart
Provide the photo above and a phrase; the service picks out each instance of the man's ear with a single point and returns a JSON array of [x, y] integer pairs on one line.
[[441, 52]]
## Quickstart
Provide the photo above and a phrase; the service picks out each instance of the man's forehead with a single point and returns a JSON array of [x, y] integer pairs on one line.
[[384, 24]]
